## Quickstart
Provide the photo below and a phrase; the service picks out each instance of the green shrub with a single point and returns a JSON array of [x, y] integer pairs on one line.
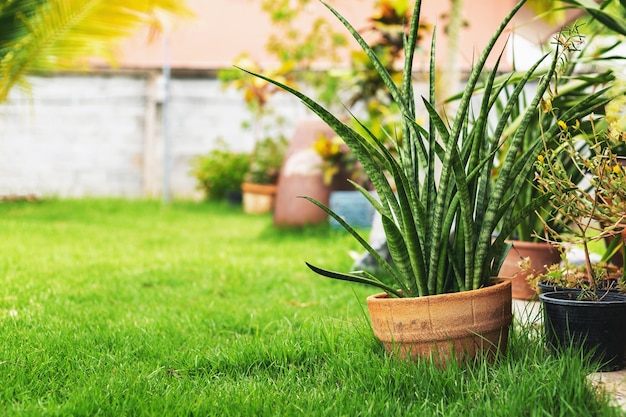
[[266, 160], [220, 171]]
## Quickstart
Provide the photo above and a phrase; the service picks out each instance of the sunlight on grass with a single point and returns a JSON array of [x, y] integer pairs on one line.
[[133, 308]]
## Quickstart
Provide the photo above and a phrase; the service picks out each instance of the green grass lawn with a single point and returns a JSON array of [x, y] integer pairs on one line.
[[131, 308]]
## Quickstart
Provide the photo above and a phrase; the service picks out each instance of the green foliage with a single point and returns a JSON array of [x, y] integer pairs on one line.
[[440, 224], [296, 42], [599, 16], [296, 46], [605, 15], [581, 206], [266, 160], [573, 84], [220, 171]]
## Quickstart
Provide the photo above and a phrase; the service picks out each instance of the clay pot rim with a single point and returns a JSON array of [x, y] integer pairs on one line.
[[496, 286], [252, 187]]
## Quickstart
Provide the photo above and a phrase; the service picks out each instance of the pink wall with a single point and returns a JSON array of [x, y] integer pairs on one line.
[[222, 29]]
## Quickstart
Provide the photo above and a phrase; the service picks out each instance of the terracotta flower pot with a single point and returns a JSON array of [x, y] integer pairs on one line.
[[301, 174], [258, 198], [447, 327], [541, 254]]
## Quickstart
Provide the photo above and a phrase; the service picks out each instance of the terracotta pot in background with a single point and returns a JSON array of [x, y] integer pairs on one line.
[[541, 255], [258, 198], [301, 175]]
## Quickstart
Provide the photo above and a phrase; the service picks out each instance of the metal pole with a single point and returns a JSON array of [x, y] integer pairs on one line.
[[167, 157]]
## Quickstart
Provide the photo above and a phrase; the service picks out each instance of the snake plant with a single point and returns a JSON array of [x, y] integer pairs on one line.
[[439, 203]]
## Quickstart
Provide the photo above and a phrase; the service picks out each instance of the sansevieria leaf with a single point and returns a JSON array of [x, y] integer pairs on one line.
[[440, 196]]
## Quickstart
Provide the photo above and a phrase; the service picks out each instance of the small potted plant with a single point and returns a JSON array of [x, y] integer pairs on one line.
[[259, 187], [439, 223], [586, 312], [220, 173], [294, 45], [270, 142], [530, 254]]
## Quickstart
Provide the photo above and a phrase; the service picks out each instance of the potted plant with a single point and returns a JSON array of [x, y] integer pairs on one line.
[[259, 187], [269, 140], [295, 45], [439, 222], [530, 254], [220, 173], [589, 316]]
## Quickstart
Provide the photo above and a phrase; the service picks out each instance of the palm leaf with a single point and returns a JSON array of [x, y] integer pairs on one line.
[[66, 34]]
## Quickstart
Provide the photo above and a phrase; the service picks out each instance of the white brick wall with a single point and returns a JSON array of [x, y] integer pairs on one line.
[[90, 135]]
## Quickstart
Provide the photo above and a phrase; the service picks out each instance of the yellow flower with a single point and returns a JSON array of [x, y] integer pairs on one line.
[[329, 173], [327, 147], [562, 124], [540, 158], [617, 169]]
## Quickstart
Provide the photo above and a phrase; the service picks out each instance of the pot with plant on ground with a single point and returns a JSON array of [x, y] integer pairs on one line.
[[439, 223], [270, 143], [594, 324], [444, 326], [259, 187], [591, 317], [530, 254]]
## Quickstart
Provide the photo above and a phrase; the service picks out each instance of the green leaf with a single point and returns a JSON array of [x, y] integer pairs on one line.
[[608, 20], [37, 35], [353, 277]]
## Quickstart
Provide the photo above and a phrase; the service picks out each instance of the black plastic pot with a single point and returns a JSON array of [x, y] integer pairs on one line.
[[595, 326]]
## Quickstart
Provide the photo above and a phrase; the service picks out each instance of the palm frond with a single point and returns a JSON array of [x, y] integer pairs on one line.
[[49, 35]]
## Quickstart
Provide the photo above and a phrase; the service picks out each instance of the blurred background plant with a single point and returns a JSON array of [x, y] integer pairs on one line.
[[590, 212], [220, 172], [339, 160], [270, 140], [295, 47], [266, 160]]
